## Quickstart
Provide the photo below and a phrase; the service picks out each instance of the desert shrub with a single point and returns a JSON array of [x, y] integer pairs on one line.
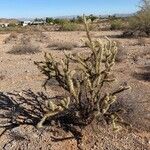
[[24, 47], [60, 21], [49, 20], [139, 25], [141, 21], [53, 44], [12, 24], [116, 25], [13, 36], [63, 45], [69, 26], [86, 98], [92, 17]]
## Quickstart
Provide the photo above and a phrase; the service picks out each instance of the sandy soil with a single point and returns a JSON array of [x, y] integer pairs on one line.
[[19, 74]]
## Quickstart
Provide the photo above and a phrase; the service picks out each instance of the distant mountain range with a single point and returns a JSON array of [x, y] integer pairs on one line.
[[67, 17]]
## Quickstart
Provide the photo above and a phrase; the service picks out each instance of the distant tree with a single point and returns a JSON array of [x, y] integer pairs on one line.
[[112, 17], [49, 20], [140, 21], [38, 19], [79, 19], [73, 20], [145, 5], [12, 24], [92, 17], [60, 21]]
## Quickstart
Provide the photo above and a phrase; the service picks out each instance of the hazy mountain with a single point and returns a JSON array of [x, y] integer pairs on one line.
[[67, 17]]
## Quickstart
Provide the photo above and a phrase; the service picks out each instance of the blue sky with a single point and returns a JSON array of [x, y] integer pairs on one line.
[[44, 8]]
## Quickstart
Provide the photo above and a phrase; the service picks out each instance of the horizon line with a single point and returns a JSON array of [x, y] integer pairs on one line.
[[68, 16]]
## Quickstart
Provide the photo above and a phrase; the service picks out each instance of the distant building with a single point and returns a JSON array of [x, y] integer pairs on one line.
[[25, 23], [38, 22]]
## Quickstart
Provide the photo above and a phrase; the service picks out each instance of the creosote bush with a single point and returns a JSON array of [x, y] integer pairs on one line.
[[24, 47], [84, 87], [63, 45], [117, 25], [70, 26], [139, 25]]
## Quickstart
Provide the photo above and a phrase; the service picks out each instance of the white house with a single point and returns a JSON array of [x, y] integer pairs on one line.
[[38, 22], [25, 23]]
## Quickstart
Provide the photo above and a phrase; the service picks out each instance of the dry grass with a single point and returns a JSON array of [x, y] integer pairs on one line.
[[24, 47], [62, 45], [65, 46]]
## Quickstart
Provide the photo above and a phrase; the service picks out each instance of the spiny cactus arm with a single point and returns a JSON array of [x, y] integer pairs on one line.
[[65, 103], [70, 83], [52, 70], [83, 66], [104, 103], [54, 110], [46, 116], [121, 89], [58, 75], [86, 24], [116, 121], [99, 57], [90, 43], [103, 75]]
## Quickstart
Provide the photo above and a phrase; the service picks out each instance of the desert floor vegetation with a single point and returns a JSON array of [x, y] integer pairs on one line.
[[24, 47], [24, 102]]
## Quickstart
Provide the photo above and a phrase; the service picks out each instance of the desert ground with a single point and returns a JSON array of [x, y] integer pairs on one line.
[[21, 87]]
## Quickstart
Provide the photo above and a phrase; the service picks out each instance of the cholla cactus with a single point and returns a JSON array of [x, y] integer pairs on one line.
[[85, 82], [54, 109]]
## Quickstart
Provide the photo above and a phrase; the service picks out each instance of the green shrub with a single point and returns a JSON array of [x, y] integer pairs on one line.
[[63, 45], [141, 21], [12, 25], [49, 20], [139, 25], [69, 26], [117, 25], [60, 21], [86, 98]]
